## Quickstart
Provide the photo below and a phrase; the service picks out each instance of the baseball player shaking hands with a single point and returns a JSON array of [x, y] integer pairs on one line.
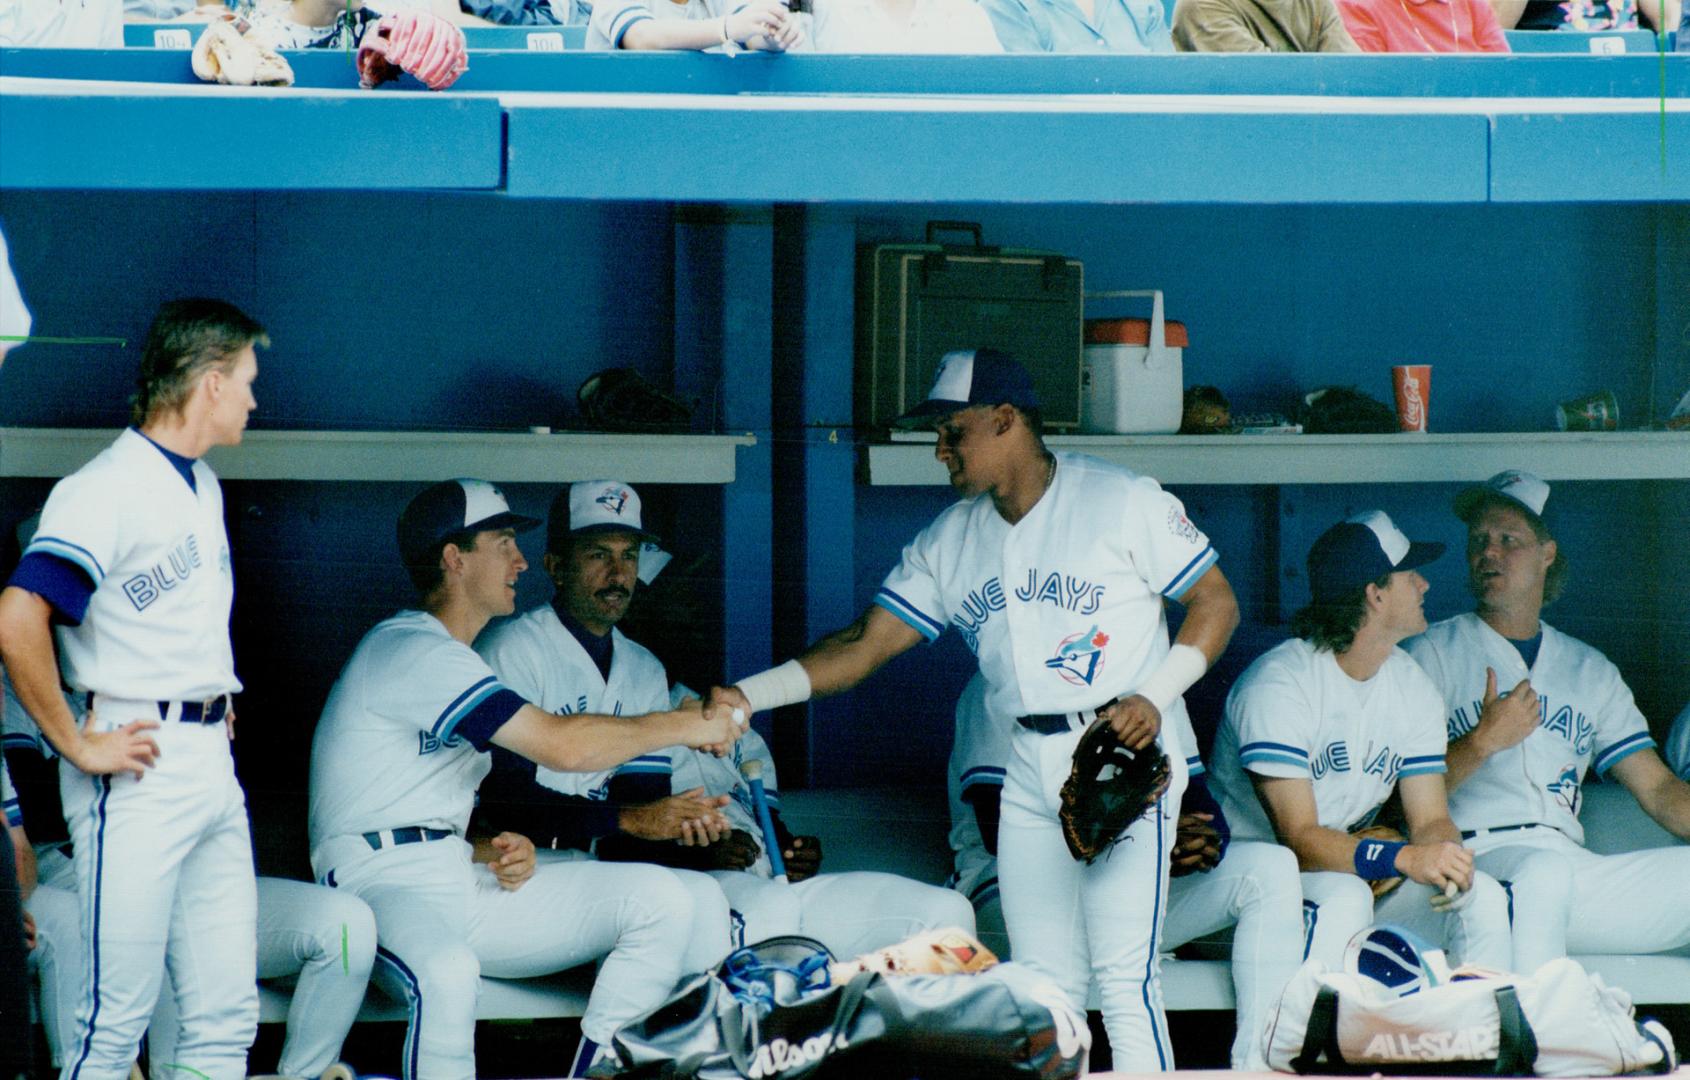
[[1054, 569], [1530, 712], [130, 570], [417, 708], [1320, 729]]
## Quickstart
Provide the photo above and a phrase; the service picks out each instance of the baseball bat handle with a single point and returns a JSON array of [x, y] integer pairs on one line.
[[771, 844]]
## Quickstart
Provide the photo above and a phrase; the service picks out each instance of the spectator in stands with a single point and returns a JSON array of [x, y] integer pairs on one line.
[[338, 24], [1411, 26], [1242, 26], [1082, 26], [1586, 15], [1678, 740], [903, 26], [61, 24], [766, 25], [166, 10]]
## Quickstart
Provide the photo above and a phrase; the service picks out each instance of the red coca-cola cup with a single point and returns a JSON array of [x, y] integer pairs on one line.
[[1412, 384]]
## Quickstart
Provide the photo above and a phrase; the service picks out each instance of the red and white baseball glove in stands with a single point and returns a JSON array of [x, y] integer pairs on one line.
[[419, 42]]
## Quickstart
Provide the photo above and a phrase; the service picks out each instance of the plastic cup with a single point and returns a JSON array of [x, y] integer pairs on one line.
[[1593, 412], [1412, 385]]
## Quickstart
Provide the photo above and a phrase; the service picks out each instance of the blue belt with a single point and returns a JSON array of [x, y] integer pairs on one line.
[[405, 834], [1468, 834], [197, 712]]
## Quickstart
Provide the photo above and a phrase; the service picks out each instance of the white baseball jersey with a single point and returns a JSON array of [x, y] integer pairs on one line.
[[1063, 608], [402, 738], [62, 24], [9, 799], [157, 625], [1678, 745], [538, 658], [1588, 720], [1294, 713]]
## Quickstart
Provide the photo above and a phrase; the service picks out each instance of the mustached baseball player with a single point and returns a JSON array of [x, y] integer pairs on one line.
[[568, 657], [130, 571], [1530, 712], [416, 703], [1322, 728], [1054, 569], [1215, 884]]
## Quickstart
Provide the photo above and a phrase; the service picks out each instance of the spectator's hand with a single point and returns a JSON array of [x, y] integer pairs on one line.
[[803, 857], [667, 819], [514, 863], [736, 851], [765, 24], [1197, 846], [1437, 864], [1505, 720], [1136, 721]]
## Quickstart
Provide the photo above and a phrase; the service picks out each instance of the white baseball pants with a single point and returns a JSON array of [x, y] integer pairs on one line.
[[57, 959], [851, 913], [1257, 887], [1077, 923], [164, 871], [1336, 906]]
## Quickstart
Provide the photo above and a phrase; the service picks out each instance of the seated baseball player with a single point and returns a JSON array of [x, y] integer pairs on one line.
[[395, 762], [1216, 883], [1678, 745], [1080, 26], [570, 652], [1260, 26], [1321, 729], [1530, 712], [725, 25]]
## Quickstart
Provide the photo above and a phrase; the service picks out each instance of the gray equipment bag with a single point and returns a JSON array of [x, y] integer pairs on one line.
[[1006, 1022]]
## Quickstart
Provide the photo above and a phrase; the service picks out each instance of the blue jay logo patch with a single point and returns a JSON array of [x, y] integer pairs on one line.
[[614, 499], [1079, 659], [1567, 791]]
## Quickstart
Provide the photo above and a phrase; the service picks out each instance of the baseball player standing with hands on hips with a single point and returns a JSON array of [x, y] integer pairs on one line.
[[1320, 729], [1054, 568], [416, 704], [1530, 711], [131, 568]]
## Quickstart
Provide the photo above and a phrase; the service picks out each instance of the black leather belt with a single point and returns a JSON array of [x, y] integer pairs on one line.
[[1468, 834], [197, 712], [1047, 723], [405, 834]]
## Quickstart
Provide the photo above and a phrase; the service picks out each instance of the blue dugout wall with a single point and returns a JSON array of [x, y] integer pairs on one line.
[[1531, 253]]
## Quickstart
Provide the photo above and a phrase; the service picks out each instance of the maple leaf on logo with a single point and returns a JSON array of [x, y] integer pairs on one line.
[[1100, 639]]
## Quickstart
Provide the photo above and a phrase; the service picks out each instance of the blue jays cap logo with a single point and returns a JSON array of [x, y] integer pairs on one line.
[[1566, 790], [1079, 659], [613, 499]]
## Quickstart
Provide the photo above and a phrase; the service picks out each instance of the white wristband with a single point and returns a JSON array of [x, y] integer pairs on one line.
[[787, 684], [1183, 665]]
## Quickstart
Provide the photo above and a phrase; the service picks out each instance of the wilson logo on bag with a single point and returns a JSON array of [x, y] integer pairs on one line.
[[778, 1055]]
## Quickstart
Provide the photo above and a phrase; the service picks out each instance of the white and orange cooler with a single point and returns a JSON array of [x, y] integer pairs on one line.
[[1134, 379]]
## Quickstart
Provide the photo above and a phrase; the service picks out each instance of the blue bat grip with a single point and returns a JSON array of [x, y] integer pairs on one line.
[[771, 843]]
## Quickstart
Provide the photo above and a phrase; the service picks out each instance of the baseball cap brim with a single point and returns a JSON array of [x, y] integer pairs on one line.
[[1420, 552], [506, 520], [1471, 502], [614, 527], [928, 414]]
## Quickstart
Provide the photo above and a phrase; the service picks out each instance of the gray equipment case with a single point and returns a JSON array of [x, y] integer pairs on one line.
[[916, 302]]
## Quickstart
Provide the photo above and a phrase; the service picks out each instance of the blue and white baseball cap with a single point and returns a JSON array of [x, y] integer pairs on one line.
[[1514, 487], [1396, 959], [1362, 549], [972, 377], [594, 506], [450, 507]]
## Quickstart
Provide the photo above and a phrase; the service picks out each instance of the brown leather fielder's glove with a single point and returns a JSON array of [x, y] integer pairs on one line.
[[1108, 789], [1381, 832], [937, 952]]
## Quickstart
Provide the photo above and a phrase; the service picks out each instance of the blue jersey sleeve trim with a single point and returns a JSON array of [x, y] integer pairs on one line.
[[1195, 569], [1277, 747], [18, 741], [647, 764], [924, 624], [1423, 766], [75, 554], [489, 713], [982, 776], [1273, 757], [1621, 750], [626, 21], [461, 705], [1194, 766], [64, 583], [13, 813]]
